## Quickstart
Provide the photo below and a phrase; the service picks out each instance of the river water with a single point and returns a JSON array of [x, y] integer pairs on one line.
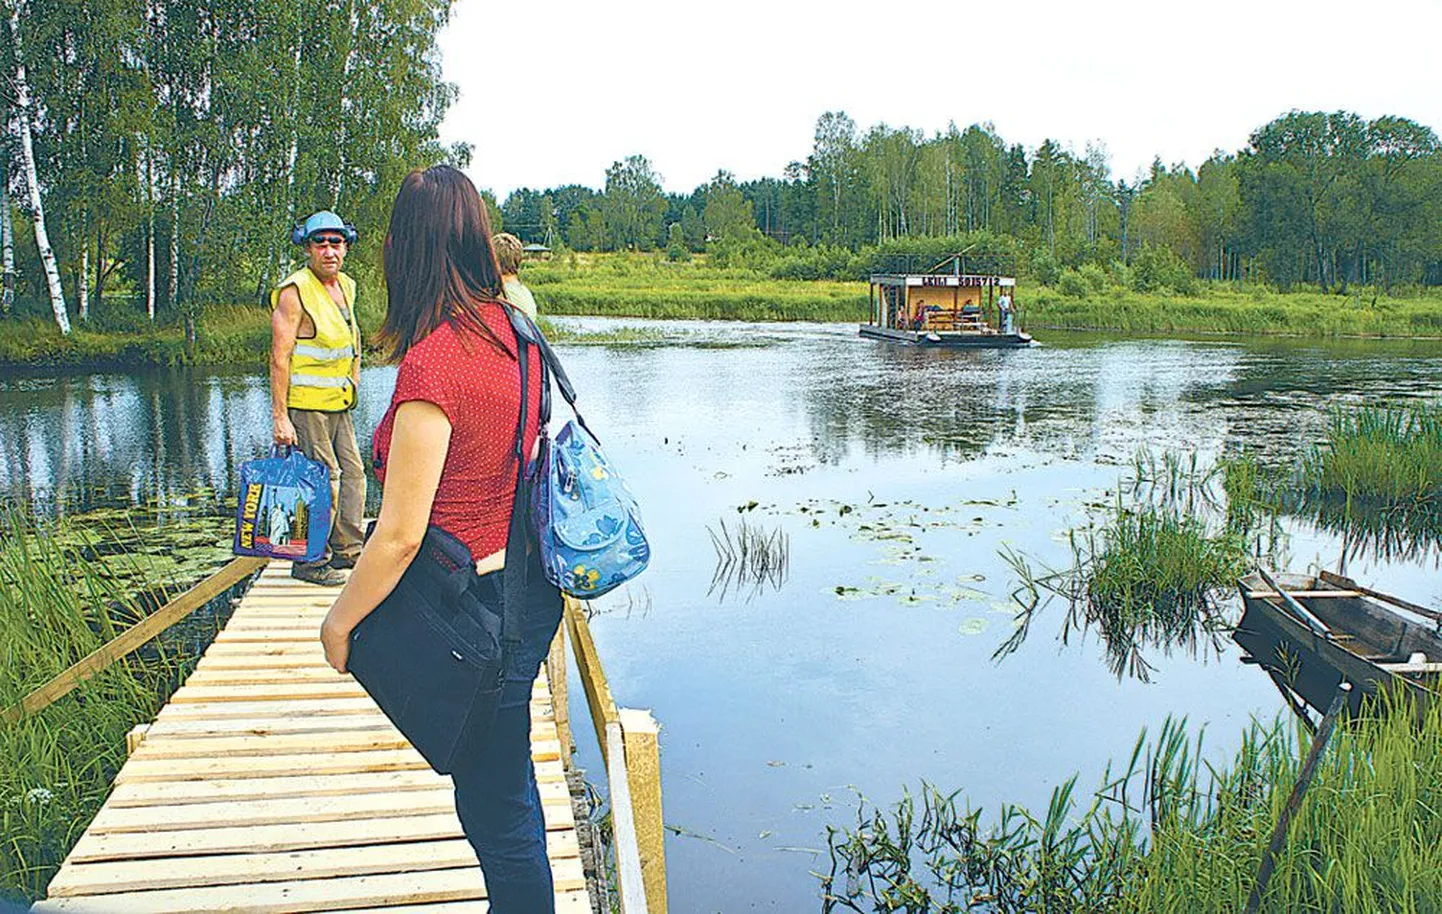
[[896, 476]]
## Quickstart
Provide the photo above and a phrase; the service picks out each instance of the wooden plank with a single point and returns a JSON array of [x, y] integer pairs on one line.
[[588, 664], [292, 744], [145, 769], [290, 836], [1410, 667], [299, 691], [296, 895], [244, 869], [183, 728], [184, 817], [240, 661], [308, 645], [310, 707], [1269, 594], [571, 902], [267, 634], [1340, 581], [639, 737], [150, 768], [135, 636], [434, 800], [291, 896], [240, 790], [262, 675]]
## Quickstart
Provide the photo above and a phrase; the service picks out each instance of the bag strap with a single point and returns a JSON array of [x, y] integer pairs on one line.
[[514, 575], [527, 328]]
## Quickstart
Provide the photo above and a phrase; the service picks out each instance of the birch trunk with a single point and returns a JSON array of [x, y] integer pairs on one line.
[[7, 242], [32, 179], [149, 179], [345, 106], [83, 297], [174, 286]]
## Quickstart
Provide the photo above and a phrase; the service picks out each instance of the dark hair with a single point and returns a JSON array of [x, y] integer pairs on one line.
[[439, 263]]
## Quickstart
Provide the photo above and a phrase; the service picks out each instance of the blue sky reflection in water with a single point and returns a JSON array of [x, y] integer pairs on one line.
[[778, 706]]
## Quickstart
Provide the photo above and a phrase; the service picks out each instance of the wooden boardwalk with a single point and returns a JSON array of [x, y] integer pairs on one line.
[[271, 784]]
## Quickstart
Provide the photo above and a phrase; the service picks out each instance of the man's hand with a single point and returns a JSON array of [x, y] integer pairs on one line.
[[284, 431]]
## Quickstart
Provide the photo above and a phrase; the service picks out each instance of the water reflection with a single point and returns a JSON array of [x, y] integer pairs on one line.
[[75, 443], [870, 664]]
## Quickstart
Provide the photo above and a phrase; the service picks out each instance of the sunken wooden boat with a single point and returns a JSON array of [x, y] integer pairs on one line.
[[1312, 632]]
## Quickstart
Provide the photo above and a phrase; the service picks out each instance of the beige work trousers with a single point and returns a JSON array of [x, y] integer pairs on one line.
[[330, 439]]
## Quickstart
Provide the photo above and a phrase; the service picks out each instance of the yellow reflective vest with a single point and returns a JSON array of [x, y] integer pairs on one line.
[[320, 367]]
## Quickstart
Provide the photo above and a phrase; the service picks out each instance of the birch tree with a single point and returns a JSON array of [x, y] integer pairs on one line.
[[32, 178]]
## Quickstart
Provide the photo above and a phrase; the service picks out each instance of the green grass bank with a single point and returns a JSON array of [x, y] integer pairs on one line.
[[650, 286], [64, 592]]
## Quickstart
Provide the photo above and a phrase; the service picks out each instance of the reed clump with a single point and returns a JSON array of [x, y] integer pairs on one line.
[[56, 766], [1383, 458], [749, 558], [1173, 832]]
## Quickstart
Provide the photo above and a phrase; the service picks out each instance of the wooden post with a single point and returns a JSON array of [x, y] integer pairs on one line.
[[643, 765], [1294, 802], [135, 737], [623, 824], [560, 702], [593, 679]]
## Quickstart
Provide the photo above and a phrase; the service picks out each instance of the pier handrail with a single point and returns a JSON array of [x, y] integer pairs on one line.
[[133, 637], [631, 754]]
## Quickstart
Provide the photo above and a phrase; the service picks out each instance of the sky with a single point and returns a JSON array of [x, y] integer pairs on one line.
[[553, 91]]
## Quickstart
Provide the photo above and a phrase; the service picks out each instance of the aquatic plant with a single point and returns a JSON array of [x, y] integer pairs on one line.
[[1172, 832], [1144, 579], [749, 557], [56, 766], [1386, 458]]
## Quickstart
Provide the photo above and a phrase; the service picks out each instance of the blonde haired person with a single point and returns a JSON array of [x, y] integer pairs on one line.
[[508, 254]]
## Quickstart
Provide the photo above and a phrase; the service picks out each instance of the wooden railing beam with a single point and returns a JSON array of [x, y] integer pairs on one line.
[[132, 638]]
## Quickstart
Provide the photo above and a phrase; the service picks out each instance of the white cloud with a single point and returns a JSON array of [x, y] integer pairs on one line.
[[554, 92]]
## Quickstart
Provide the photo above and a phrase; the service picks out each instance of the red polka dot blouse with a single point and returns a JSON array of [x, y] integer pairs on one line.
[[477, 385]]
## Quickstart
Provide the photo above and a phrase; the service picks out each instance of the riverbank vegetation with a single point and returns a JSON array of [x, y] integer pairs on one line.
[[1173, 831], [63, 594], [1147, 573]]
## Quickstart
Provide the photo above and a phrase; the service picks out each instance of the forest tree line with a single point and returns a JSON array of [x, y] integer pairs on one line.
[[153, 155], [162, 148], [1328, 199]]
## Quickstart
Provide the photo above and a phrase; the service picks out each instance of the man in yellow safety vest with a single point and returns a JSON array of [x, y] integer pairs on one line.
[[314, 379]]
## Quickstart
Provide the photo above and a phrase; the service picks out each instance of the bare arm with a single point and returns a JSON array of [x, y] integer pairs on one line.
[[284, 326], [419, 443]]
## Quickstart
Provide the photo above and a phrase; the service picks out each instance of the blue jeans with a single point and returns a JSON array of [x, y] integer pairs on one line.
[[496, 796]]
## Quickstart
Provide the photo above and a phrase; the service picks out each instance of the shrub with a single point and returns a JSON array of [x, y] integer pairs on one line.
[[1072, 285]]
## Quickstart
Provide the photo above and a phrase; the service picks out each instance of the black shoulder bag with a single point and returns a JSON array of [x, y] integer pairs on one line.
[[432, 654]]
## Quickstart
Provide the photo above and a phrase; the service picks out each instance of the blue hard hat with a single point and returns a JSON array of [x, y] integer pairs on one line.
[[320, 222]]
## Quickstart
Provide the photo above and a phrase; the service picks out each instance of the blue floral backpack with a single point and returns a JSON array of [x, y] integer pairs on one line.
[[587, 521]]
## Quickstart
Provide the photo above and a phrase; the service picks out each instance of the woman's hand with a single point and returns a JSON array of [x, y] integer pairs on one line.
[[335, 638]]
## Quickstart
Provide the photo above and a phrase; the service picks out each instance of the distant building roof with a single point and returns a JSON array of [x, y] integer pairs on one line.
[[534, 248]]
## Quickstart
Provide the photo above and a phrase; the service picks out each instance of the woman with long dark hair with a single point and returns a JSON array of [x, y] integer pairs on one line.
[[445, 454]]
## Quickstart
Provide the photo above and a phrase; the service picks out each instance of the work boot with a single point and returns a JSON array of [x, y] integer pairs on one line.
[[342, 562], [323, 575]]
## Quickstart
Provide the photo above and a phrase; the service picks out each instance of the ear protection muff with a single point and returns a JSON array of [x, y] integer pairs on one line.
[[298, 236]]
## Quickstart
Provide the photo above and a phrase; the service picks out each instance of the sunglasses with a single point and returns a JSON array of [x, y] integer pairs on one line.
[[321, 241]]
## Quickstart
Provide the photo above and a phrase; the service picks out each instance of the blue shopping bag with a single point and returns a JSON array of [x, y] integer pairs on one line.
[[284, 507]]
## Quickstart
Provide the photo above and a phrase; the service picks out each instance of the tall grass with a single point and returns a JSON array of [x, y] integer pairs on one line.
[[56, 766], [1171, 832], [1381, 457], [1146, 577]]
